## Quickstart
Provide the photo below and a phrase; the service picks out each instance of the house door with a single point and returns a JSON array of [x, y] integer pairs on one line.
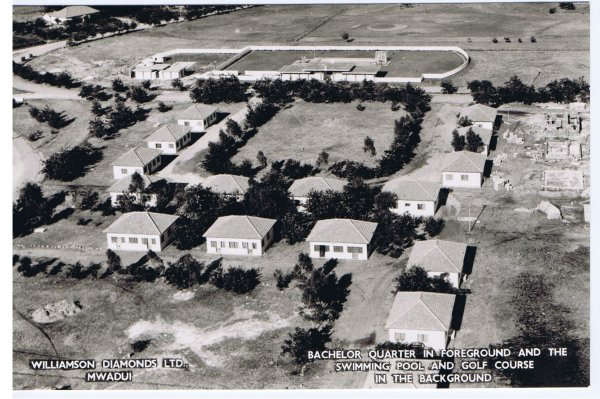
[[322, 251], [354, 255]]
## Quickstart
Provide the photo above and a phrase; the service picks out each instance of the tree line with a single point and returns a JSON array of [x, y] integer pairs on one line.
[[61, 79], [514, 90]]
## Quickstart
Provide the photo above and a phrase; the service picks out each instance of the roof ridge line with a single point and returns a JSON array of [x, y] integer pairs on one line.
[[429, 309], [251, 224], [445, 256], [357, 229], [152, 220]]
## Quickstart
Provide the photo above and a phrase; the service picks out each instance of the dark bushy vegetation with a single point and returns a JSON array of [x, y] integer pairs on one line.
[[71, 163], [224, 89], [514, 90], [416, 279], [62, 79], [235, 279], [54, 119]]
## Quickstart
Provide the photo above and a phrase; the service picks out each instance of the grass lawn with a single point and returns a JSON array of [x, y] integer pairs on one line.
[[304, 130]]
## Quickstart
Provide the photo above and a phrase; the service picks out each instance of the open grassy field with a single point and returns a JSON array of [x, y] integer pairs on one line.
[[304, 130]]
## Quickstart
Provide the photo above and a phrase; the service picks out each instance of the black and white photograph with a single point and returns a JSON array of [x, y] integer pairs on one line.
[[357, 197]]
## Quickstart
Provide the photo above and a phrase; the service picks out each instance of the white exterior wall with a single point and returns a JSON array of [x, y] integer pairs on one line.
[[454, 179], [223, 245], [114, 198], [338, 255], [144, 75], [120, 172], [170, 147], [198, 125], [412, 207], [123, 243], [169, 75], [452, 278], [485, 125], [435, 339]]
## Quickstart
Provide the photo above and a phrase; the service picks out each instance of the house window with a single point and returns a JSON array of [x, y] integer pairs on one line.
[[133, 240], [464, 177], [144, 241], [153, 241], [400, 337], [338, 248], [171, 145], [253, 245], [420, 206], [186, 123], [113, 240], [422, 338], [245, 245], [355, 250], [145, 169], [233, 244], [158, 145], [222, 244], [449, 177], [406, 204], [122, 239], [123, 171], [213, 244]]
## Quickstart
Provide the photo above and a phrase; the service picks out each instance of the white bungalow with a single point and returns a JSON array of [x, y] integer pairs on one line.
[[239, 235], [176, 70], [463, 169], [122, 186], [147, 70], [170, 138], [485, 134], [417, 198], [421, 317], [232, 185], [437, 257], [141, 231], [139, 159], [68, 13], [341, 239], [301, 188], [481, 115], [198, 117]]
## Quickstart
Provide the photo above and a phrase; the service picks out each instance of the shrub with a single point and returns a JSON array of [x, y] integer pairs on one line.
[[494, 40], [303, 340], [236, 279], [283, 279], [68, 164], [178, 84], [448, 87], [345, 36], [434, 226], [119, 86], [552, 10], [360, 107], [162, 107], [184, 273], [532, 39], [35, 135]]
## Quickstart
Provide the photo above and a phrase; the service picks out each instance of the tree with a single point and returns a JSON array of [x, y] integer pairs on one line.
[[369, 146], [234, 129], [97, 108], [295, 226], [178, 84], [552, 10], [303, 340], [68, 164], [259, 115], [118, 86], [30, 210], [113, 260], [322, 159], [345, 36], [224, 89], [97, 128], [567, 5], [434, 226], [146, 84], [394, 232], [532, 39], [464, 121], [86, 199], [262, 159], [184, 273], [268, 197], [236, 279], [448, 87], [139, 95], [416, 279], [137, 184], [162, 107], [473, 141]]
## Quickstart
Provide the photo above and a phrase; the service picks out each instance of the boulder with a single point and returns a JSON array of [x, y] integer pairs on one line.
[[549, 210], [54, 312]]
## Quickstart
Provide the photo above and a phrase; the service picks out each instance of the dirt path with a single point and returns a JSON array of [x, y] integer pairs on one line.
[[27, 164], [175, 170], [40, 91]]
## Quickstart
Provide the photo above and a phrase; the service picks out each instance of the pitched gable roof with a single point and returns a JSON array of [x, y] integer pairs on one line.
[[343, 231], [123, 184], [171, 132], [479, 113], [137, 156], [464, 161], [438, 256], [197, 112], [485, 134], [227, 184], [427, 311], [302, 187], [238, 226], [141, 223], [73, 11], [413, 189]]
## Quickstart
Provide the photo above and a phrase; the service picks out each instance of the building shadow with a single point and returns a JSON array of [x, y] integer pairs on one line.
[[443, 198], [220, 116], [487, 169], [469, 260], [165, 159], [458, 312], [493, 143]]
